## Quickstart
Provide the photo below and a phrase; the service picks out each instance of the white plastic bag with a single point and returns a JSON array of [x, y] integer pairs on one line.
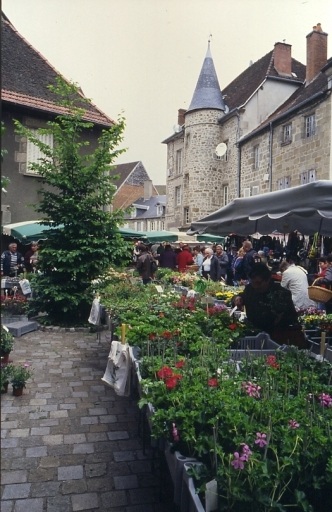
[[25, 286], [94, 317], [118, 370]]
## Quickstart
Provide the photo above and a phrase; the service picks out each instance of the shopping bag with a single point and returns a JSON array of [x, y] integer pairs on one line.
[[25, 286], [118, 370]]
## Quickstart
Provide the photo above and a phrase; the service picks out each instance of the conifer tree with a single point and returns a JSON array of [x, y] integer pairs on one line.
[[75, 197]]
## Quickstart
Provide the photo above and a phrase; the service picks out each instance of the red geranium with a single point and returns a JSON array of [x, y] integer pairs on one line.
[[180, 364], [165, 372], [213, 382], [232, 327], [272, 361], [171, 382]]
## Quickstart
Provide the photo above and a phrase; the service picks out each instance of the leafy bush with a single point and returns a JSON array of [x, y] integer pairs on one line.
[[84, 240]]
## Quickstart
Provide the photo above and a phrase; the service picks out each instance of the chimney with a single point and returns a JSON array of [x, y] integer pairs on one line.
[[283, 59], [147, 189], [181, 113], [316, 52]]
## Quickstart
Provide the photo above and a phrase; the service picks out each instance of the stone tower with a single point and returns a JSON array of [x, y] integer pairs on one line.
[[195, 179], [202, 136]]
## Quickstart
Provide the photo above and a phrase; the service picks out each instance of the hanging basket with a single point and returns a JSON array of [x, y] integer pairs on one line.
[[319, 294]]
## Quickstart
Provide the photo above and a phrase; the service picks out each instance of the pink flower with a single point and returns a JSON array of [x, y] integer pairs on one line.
[[325, 400], [238, 462], [251, 389], [246, 452], [261, 439], [175, 433], [293, 424]]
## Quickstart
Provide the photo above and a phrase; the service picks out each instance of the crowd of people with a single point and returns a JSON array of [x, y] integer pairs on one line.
[[275, 291], [13, 262]]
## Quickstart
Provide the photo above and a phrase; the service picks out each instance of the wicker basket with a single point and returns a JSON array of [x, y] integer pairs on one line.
[[318, 293]]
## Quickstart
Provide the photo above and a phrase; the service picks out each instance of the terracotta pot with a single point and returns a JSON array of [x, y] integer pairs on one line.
[[18, 391]]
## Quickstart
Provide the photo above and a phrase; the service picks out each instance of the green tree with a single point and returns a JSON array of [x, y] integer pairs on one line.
[[77, 187]]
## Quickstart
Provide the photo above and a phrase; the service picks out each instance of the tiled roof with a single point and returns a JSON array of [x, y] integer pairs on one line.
[[127, 195], [152, 203], [130, 183], [315, 90], [207, 93], [244, 85], [161, 189], [26, 75], [123, 171]]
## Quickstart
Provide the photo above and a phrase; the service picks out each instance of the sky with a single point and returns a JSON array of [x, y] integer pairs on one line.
[[141, 58]]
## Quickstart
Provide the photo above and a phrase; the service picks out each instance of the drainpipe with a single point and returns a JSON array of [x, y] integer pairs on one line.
[[270, 156], [238, 156]]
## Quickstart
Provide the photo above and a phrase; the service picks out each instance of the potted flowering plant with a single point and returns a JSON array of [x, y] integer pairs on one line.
[[6, 343], [19, 376], [262, 427], [13, 305]]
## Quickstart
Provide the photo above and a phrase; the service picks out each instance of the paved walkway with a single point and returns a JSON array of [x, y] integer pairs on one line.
[[70, 443]]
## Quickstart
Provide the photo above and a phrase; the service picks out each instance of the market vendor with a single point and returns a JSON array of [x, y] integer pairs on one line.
[[12, 261], [270, 308]]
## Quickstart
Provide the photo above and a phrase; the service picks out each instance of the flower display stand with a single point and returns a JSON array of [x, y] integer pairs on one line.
[[190, 500], [254, 346], [316, 349], [175, 462], [20, 327], [9, 319]]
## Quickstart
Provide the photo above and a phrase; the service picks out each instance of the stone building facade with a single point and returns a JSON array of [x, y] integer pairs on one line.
[[269, 129]]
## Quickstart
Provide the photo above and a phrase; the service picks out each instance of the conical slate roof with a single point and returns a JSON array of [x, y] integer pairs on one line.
[[207, 93]]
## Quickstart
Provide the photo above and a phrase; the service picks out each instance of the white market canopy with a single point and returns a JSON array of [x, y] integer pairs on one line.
[[306, 208]]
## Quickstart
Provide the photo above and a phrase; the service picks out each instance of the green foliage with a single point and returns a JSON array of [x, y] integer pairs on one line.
[[7, 341], [20, 374], [270, 415], [6, 370], [77, 190]]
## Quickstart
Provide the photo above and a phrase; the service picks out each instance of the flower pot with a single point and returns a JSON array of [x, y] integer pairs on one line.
[[190, 501], [18, 391], [176, 461]]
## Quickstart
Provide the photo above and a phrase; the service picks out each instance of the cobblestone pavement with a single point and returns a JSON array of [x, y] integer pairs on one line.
[[70, 443]]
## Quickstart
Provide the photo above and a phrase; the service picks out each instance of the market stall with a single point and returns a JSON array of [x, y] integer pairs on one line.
[[307, 209]]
